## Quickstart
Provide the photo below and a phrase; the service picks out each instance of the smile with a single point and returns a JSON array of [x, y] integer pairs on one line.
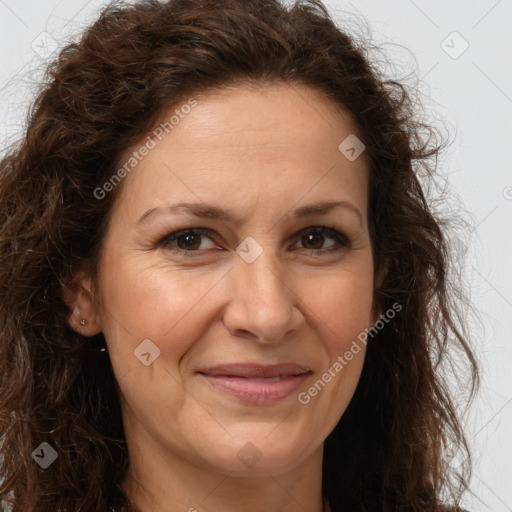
[[257, 384]]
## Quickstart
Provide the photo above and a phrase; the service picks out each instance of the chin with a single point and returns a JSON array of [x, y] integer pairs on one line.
[[259, 451]]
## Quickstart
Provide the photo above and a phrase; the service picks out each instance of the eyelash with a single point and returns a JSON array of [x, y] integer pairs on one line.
[[343, 242]]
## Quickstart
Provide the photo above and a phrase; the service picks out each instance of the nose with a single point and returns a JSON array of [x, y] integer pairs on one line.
[[263, 305]]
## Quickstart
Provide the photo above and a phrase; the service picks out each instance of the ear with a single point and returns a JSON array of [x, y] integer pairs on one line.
[[78, 294], [376, 311]]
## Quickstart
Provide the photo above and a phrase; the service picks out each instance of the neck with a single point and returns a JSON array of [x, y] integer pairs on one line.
[[164, 482]]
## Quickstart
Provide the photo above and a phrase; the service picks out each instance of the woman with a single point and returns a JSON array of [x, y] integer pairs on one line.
[[222, 286]]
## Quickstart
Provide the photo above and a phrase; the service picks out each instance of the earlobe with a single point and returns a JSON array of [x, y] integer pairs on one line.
[[375, 314], [84, 310]]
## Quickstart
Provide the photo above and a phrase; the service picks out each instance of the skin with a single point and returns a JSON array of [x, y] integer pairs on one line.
[[260, 153]]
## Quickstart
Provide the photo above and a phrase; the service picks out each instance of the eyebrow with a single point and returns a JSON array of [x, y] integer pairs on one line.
[[210, 211]]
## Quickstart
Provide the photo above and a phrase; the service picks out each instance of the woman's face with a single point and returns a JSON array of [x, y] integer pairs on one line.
[[255, 288]]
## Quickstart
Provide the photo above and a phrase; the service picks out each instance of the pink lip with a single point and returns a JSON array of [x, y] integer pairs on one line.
[[249, 382]]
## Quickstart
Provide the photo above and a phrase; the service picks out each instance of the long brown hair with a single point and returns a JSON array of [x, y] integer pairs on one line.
[[393, 448]]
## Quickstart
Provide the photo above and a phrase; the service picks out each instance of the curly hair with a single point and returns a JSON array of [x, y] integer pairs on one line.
[[394, 447]]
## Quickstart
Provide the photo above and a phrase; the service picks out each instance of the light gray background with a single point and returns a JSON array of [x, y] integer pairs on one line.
[[471, 93]]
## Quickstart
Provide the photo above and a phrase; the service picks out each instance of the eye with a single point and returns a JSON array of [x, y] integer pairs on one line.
[[188, 241], [316, 236]]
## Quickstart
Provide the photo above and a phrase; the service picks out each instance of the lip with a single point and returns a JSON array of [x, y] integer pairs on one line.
[[250, 383]]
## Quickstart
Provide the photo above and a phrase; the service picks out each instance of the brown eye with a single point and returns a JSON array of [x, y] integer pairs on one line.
[[314, 238], [187, 240]]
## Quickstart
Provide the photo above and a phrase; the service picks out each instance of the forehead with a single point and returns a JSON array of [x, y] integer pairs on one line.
[[268, 144], [244, 116]]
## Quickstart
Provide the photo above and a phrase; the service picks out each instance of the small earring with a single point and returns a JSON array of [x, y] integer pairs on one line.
[[83, 322]]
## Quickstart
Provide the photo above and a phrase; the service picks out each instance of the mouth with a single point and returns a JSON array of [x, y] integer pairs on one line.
[[256, 384]]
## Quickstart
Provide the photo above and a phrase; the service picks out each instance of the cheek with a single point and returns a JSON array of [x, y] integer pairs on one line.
[[347, 316], [341, 304], [154, 302], [340, 312], [174, 306]]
